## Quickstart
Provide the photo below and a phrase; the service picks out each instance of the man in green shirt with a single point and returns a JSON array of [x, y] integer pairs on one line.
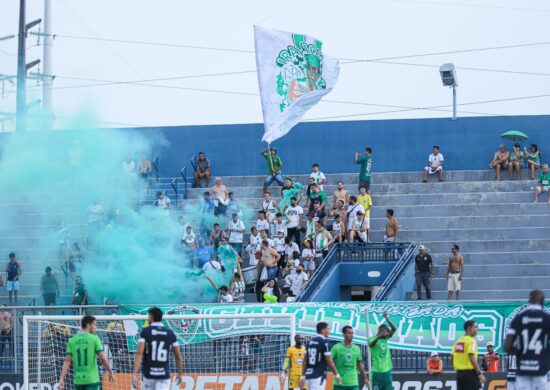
[[80, 295], [544, 183], [366, 165], [274, 168], [348, 360], [82, 352], [317, 195], [381, 356]]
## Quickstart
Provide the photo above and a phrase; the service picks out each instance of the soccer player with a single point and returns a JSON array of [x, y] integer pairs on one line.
[[293, 363], [381, 356], [528, 338], [81, 352], [347, 358], [154, 344], [316, 359], [464, 358]]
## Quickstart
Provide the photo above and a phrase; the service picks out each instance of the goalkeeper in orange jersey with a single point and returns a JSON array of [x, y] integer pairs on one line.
[[293, 363]]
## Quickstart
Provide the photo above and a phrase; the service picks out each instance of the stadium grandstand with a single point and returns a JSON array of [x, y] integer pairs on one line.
[[282, 241]]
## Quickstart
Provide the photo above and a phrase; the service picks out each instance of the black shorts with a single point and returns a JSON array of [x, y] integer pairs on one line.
[[467, 380], [364, 183], [49, 299]]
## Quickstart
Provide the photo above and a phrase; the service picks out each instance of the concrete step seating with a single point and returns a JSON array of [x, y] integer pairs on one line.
[[505, 239]]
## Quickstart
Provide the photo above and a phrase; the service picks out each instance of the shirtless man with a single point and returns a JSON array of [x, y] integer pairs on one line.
[[500, 160], [220, 196], [270, 258], [340, 195], [342, 211], [392, 227], [145, 167], [455, 269]]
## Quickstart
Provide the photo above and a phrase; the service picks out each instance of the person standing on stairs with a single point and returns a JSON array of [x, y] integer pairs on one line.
[[274, 167], [13, 270], [455, 269], [543, 184], [424, 268]]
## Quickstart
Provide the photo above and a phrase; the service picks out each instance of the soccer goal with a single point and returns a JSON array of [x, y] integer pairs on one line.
[[227, 351]]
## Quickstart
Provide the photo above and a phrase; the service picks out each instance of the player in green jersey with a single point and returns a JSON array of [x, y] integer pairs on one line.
[[82, 352], [381, 356], [348, 360]]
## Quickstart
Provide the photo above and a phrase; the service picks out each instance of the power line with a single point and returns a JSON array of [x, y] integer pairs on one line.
[[436, 108], [471, 5]]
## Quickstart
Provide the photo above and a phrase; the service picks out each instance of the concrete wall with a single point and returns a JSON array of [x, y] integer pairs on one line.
[[399, 145]]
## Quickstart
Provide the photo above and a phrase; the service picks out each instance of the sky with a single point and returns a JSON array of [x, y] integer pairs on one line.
[[205, 40]]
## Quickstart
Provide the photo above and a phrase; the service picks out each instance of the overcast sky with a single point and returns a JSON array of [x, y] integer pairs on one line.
[[362, 29]]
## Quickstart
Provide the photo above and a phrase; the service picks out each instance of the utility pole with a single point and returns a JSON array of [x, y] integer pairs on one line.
[[22, 67], [47, 105], [21, 121]]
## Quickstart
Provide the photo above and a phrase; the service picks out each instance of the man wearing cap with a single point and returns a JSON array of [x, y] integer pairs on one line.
[[491, 359], [544, 183], [424, 272], [274, 168], [235, 231], [434, 365], [359, 229], [381, 356], [500, 160]]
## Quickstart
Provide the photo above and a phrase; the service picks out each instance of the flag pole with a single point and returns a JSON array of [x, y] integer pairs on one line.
[[269, 159], [369, 355]]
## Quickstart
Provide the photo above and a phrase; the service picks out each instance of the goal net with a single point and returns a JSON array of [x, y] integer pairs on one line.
[[219, 352]]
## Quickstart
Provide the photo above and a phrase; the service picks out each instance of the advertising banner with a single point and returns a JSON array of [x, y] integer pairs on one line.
[[421, 326]]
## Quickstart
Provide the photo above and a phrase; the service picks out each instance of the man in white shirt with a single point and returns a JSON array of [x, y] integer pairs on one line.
[[318, 176], [435, 164], [280, 225], [353, 208], [254, 246], [235, 230], [294, 213], [297, 280]]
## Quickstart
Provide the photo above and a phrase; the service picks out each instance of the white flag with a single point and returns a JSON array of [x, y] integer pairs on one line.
[[293, 74]]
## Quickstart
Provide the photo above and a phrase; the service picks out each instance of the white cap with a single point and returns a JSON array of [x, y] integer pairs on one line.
[[434, 354], [421, 247]]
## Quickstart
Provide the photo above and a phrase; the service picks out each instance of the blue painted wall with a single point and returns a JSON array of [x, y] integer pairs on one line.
[[399, 145]]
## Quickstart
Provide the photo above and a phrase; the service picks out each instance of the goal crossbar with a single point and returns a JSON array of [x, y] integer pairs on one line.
[[135, 317]]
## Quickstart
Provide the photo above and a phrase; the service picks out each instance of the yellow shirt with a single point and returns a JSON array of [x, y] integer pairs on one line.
[[366, 202], [463, 348], [296, 358]]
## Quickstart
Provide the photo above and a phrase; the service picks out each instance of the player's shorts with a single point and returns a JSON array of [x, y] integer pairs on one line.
[[541, 189], [12, 285], [94, 386], [511, 385], [294, 382], [316, 383], [155, 384], [382, 381], [338, 387], [453, 284], [541, 382]]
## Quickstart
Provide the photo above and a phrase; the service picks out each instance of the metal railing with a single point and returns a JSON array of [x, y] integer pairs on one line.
[[352, 252], [155, 164], [174, 184], [183, 173], [400, 274]]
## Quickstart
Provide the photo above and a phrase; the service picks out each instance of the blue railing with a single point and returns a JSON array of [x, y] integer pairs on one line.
[[183, 173], [398, 281], [352, 252]]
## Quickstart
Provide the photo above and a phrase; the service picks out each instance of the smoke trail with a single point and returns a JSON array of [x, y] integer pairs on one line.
[[135, 256]]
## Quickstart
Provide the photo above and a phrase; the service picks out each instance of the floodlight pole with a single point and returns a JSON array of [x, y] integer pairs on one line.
[[454, 104]]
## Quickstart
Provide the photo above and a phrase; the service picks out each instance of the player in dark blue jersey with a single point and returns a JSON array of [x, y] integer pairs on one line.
[[529, 339], [316, 360], [153, 354]]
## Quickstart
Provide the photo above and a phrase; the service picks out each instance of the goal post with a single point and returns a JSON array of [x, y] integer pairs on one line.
[[219, 351]]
